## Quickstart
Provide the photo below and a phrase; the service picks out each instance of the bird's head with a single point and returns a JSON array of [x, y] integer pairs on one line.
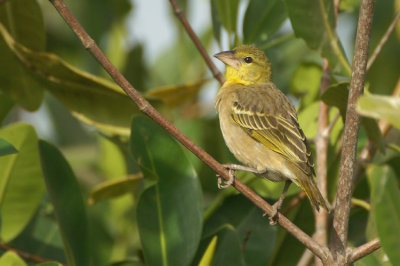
[[246, 64]]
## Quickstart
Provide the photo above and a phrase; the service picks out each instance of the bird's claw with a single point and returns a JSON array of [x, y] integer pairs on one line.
[[222, 184]]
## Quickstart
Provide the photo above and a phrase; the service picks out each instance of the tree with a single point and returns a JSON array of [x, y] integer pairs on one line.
[[147, 207]]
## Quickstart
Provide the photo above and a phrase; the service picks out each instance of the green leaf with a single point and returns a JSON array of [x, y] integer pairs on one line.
[[306, 82], [314, 21], [6, 147], [69, 207], [49, 264], [24, 21], [114, 188], [21, 181], [169, 211], [247, 222], [6, 104], [10, 258], [209, 253], [380, 107], [385, 199], [227, 11], [94, 100], [262, 19], [337, 95]]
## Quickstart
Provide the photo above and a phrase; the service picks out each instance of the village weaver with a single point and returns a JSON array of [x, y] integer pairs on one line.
[[260, 126]]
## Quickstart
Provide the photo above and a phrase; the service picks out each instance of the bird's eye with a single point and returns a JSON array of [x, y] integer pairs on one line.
[[248, 59]]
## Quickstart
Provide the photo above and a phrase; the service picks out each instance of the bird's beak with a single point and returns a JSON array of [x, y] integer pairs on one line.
[[228, 58]]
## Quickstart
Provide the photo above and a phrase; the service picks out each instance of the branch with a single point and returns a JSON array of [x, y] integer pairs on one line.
[[321, 146], [150, 111], [364, 250], [25, 255], [383, 41], [181, 16], [350, 135]]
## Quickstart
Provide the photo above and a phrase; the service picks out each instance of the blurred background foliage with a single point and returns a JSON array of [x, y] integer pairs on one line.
[[84, 184]]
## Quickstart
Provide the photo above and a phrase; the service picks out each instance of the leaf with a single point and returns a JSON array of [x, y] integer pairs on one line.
[[114, 188], [169, 211], [305, 82], [10, 258], [227, 11], [24, 20], [6, 147], [6, 104], [21, 181], [385, 199], [68, 203], [94, 100], [380, 107], [337, 95], [176, 95], [262, 19], [209, 253], [314, 21], [256, 238], [51, 263]]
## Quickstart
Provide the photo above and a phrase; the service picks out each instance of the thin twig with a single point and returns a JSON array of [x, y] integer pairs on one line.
[[305, 258], [151, 112], [181, 16], [383, 41], [364, 250], [350, 135], [321, 146], [26, 255]]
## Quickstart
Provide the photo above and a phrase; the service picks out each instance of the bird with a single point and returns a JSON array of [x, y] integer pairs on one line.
[[260, 127]]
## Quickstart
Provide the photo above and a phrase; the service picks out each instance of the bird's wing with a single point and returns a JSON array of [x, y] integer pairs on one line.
[[268, 116]]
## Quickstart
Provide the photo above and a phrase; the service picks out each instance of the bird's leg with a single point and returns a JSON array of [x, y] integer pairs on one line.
[[277, 205], [231, 169]]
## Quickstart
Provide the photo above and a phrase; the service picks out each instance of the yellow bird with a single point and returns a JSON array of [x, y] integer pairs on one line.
[[260, 126]]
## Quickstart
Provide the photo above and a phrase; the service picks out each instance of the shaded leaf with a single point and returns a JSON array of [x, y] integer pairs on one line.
[[94, 100], [315, 22], [114, 188], [385, 199], [227, 11], [10, 258], [337, 95], [24, 20], [21, 181], [380, 107], [68, 203], [6, 104], [169, 211], [176, 95], [6, 147], [306, 82], [262, 19]]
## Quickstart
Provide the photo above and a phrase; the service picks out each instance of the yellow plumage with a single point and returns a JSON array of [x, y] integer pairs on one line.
[[260, 125]]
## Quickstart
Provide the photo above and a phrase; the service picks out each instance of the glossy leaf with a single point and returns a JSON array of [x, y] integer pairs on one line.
[[314, 21], [24, 20], [94, 100], [10, 258], [21, 180], [169, 211], [262, 19], [68, 203], [6, 147], [114, 188], [385, 199], [380, 107], [209, 253]]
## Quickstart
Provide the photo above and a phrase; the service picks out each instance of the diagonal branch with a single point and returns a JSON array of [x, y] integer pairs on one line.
[[350, 135], [364, 250], [181, 16], [150, 111]]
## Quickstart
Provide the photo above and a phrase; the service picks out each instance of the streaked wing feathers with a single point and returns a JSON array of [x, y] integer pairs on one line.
[[274, 125]]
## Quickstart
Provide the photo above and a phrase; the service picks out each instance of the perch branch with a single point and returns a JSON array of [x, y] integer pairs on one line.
[[25, 255], [151, 112], [350, 135], [364, 250]]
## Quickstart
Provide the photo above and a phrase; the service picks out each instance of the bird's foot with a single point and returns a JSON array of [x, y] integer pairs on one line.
[[273, 219], [222, 184]]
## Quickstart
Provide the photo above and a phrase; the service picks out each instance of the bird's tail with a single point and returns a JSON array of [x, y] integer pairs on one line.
[[310, 187]]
